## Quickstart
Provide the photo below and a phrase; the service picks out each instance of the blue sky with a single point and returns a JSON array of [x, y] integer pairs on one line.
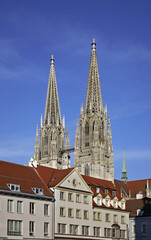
[[30, 31]]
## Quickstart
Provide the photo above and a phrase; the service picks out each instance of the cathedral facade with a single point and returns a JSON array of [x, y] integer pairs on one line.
[[93, 151]]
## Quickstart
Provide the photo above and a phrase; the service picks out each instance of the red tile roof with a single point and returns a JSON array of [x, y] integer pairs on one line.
[[26, 177], [103, 184], [138, 186], [52, 176], [143, 204], [132, 187]]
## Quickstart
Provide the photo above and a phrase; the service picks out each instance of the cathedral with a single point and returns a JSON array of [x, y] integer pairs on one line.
[[93, 150]]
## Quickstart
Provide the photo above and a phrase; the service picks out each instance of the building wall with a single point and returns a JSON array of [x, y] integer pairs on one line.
[[90, 222], [38, 217], [138, 230]]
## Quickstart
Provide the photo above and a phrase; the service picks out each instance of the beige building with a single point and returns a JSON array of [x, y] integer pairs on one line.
[[85, 207]]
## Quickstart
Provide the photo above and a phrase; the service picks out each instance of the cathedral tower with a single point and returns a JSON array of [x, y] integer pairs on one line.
[[93, 154], [52, 152]]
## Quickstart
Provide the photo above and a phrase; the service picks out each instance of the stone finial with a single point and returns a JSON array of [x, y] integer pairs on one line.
[[52, 59], [93, 44]]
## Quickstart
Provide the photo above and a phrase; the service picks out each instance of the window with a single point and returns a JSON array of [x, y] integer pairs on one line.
[[14, 227], [61, 228], [32, 208], [62, 196], [70, 212], [85, 199], [143, 228], [97, 189], [106, 191], [134, 229], [62, 212], [19, 206], [85, 214], [14, 187], [113, 193], [98, 201], [38, 191], [113, 232], [115, 219], [115, 204], [96, 231], [107, 217], [78, 213], [74, 229], [77, 198], [10, 206], [31, 228], [46, 209], [97, 216], [122, 219], [122, 205], [46, 228], [122, 234], [85, 230], [107, 202], [70, 197], [107, 232]]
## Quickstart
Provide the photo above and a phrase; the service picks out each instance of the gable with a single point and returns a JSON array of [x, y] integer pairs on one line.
[[75, 182]]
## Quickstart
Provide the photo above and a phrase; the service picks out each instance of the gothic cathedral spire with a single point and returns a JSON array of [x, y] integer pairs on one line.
[[94, 156], [52, 151], [52, 110], [93, 102]]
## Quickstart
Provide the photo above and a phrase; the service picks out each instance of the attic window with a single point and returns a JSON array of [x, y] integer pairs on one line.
[[38, 191], [106, 191], [14, 187], [113, 193], [97, 189], [90, 186]]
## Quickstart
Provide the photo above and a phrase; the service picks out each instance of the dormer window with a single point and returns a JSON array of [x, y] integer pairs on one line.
[[97, 189], [107, 203], [122, 205], [98, 201], [115, 204], [14, 187], [106, 191], [113, 193], [38, 191]]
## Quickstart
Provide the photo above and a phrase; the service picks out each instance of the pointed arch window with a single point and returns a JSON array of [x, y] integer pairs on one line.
[[87, 129]]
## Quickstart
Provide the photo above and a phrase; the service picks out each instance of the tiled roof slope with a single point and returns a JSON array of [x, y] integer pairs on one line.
[[103, 184], [52, 176], [26, 177], [132, 187], [138, 186], [143, 204]]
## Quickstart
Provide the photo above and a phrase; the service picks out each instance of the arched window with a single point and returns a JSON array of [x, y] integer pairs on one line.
[[87, 129]]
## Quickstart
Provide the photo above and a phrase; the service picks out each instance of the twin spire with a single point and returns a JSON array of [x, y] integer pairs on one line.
[[52, 110], [93, 102]]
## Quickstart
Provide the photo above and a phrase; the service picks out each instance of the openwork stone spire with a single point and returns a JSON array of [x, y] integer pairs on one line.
[[124, 169], [52, 110], [51, 151], [93, 155], [93, 101]]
